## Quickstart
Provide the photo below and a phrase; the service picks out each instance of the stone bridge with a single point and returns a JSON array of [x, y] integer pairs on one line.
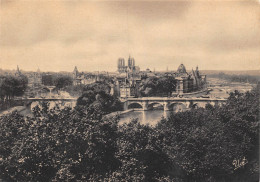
[[31, 102], [170, 103]]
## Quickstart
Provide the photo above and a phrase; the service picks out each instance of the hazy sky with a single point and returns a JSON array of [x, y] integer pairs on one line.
[[58, 35]]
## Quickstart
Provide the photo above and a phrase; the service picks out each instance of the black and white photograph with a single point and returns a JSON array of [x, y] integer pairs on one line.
[[129, 91]]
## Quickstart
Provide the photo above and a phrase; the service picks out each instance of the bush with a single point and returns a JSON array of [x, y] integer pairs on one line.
[[205, 142], [56, 145], [77, 145]]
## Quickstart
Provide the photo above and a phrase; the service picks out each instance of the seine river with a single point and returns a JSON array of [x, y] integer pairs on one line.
[[151, 117]]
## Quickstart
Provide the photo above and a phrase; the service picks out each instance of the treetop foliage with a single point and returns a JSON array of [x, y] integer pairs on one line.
[[154, 86], [73, 145], [10, 87], [97, 101]]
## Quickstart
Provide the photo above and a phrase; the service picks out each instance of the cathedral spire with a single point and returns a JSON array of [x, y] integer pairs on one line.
[[18, 72], [75, 72], [38, 70]]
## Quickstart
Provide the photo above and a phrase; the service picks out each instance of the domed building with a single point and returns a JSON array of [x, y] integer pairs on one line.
[[189, 82], [181, 69]]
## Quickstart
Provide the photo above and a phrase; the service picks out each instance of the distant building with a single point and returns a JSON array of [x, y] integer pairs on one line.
[[76, 76], [129, 78], [189, 82], [148, 73], [34, 79], [18, 72], [47, 79], [130, 68], [121, 68], [84, 79]]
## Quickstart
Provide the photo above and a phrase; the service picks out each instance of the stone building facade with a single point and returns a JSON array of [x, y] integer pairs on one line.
[[129, 68], [189, 82], [128, 80], [84, 79]]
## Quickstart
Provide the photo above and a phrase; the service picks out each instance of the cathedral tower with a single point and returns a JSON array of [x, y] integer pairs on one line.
[[75, 72], [131, 62], [121, 65]]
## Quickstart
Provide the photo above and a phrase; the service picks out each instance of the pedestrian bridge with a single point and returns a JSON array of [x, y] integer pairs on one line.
[[169, 103]]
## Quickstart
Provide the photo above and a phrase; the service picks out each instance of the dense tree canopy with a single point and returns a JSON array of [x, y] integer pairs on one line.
[[60, 145], [97, 101], [62, 81], [154, 86], [47, 79], [78, 90], [205, 142], [69, 144], [75, 90], [11, 86]]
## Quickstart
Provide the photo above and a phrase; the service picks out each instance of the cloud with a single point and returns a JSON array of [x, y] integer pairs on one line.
[[92, 35]]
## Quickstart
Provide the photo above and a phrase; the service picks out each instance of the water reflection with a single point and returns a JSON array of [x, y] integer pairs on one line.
[[151, 117]]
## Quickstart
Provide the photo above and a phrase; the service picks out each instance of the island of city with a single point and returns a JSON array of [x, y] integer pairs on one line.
[[133, 90]]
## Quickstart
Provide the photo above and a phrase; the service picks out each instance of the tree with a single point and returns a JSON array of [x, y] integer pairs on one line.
[[56, 145], [62, 81], [11, 86], [154, 86], [97, 101], [166, 85], [140, 154], [98, 87], [75, 90], [47, 79], [205, 142], [74, 145]]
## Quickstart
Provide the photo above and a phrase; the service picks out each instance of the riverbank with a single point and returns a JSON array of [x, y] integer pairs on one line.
[[120, 113], [12, 109]]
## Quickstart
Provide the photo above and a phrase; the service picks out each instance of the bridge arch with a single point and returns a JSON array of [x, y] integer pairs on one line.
[[177, 107], [52, 103], [199, 104], [158, 104], [135, 105], [194, 106], [45, 89]]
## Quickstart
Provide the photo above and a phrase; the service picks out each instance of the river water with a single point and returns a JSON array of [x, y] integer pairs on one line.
[[151, 117]]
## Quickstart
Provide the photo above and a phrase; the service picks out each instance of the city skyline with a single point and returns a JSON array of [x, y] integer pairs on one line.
[[56, 36]]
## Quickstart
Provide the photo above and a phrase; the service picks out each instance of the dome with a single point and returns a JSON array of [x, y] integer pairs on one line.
[[181, 69]]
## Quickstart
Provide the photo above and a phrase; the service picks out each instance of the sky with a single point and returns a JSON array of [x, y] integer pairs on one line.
[[92, 35]]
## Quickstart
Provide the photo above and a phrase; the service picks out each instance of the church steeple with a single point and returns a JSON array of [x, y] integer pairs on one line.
[[38, 70], [18, 72], [131, 62], [75, 72], [75, 69]]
